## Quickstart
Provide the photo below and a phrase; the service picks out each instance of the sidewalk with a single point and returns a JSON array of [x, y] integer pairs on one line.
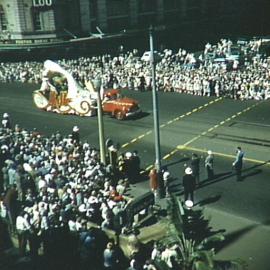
[[245, 240]]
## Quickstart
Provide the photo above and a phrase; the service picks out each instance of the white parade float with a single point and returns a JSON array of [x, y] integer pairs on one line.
[[70, 99]]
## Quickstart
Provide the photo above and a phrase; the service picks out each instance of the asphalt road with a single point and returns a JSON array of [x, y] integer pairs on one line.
[[187, 124]]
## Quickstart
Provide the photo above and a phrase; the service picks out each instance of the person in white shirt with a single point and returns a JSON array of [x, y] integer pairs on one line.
[[23, 228], [167, 255]]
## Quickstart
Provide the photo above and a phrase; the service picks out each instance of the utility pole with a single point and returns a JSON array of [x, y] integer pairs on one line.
[[155, 103], [97, 85]]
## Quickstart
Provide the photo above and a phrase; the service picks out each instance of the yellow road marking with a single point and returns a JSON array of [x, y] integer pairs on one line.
[[125, 145], [215, 127], [149, 167], [170, 122], [167, 156], [181, 147]]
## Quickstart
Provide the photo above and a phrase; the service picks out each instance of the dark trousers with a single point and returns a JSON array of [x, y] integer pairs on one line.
[[22, 239], [210, 172], [189, 194], [238, 172], [197, 177]]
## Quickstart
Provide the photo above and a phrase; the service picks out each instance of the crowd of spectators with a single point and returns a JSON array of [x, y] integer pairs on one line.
[[215, 71], [52, 188], [57, 197]]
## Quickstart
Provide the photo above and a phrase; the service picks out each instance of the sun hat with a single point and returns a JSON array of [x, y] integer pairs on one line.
[[189, 203], [75, 128], [188, 170]]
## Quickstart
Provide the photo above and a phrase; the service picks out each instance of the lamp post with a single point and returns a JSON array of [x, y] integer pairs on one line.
[[155, 104], [97, 85]]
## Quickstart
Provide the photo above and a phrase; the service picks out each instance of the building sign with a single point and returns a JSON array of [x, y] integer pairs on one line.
[[42, 3]]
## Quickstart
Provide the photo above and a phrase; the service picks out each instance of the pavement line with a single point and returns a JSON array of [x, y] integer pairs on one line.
[[215, 127], [167, 156], [170, 154], [172, 121], [149, 167], [182, 147], [125, 145], [192, 140]]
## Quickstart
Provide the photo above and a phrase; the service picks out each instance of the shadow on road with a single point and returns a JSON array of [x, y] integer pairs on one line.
[[229, 174], [177, 161], [217, 178], [139, 116], [211, 199], [232, 237], [258, 171]]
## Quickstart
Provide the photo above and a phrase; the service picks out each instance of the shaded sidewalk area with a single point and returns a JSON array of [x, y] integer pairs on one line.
[[245, 239]]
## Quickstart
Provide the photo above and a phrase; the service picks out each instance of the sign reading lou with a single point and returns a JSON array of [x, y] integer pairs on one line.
[[42, 3]]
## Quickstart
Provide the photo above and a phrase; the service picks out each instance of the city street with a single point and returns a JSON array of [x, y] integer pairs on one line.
[[187, 124]]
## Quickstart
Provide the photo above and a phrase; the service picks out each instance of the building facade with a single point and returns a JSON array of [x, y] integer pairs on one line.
[[38, 19], [51, 19]]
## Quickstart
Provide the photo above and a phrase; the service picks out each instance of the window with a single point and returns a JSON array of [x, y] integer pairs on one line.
[[37, 20], [117, 7], [171, 4], [3, 19], [147, 6], [93, 8]]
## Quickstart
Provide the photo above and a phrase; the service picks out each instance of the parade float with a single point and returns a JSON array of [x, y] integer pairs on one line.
[[60, 93]]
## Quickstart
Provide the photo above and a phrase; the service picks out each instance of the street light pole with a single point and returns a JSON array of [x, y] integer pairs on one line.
[[155, 103], [97, 86]]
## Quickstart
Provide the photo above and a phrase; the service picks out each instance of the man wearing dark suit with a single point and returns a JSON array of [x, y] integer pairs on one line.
[[238, 163], [195, 166], [189, 184]]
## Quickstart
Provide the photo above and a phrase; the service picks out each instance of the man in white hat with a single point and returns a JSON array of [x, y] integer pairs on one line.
[[75, 135], [189, 184], [6, 121], [209, 165]]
